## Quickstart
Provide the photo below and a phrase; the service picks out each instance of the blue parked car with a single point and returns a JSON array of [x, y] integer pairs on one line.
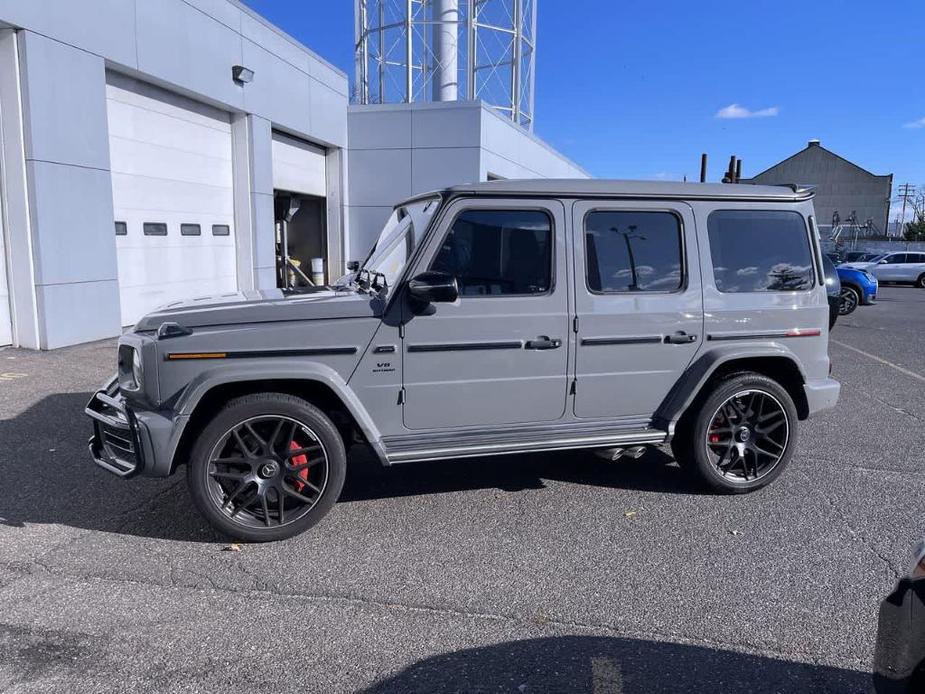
[[858, 287]]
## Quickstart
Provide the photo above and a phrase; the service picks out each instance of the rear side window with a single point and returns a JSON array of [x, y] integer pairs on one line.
[[760, 251], [633, 251], [498, 252]]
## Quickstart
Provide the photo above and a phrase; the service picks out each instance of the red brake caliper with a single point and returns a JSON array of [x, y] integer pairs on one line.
[[299, 460]]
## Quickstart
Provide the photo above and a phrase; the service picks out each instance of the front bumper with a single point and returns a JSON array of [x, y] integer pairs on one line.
[[129, 442], [821, 394], [116, 442]]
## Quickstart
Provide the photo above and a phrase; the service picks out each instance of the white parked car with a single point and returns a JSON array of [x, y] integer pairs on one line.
[[896, 267]]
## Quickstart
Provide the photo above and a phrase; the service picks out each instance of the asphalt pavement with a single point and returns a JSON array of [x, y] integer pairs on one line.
[[537, 573]]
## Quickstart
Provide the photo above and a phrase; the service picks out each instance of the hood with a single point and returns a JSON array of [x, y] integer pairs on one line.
[[265, 306]]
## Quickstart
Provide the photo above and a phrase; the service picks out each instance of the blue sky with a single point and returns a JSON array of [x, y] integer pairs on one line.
[[633, 88]]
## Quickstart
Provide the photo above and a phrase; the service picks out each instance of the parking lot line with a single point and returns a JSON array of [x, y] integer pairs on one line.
[[879, 359]]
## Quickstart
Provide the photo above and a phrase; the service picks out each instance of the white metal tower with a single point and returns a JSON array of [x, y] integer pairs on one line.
[[444, 50]]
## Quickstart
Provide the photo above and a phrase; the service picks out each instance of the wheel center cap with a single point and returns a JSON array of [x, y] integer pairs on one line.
[[269, 469], [743, 434]]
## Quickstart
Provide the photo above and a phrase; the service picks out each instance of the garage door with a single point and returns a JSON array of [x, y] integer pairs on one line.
[[172, 195], [298, 167]]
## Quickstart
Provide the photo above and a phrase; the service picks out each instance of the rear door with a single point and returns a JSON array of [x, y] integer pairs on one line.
[[638, 302], [914, 267], [499, 354]]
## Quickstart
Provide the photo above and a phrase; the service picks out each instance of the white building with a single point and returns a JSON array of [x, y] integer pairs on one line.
[[145, 145]]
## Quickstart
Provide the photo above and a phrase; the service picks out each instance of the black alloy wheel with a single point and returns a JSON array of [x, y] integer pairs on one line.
[[738, 435], [850, 300], [268, 467], [748, 436]]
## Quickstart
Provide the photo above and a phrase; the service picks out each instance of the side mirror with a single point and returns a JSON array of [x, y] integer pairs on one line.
[[882, 262], [353, 265], [433, 287]]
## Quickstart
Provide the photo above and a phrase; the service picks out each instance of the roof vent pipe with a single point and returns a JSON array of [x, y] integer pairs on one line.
[[813, 143]]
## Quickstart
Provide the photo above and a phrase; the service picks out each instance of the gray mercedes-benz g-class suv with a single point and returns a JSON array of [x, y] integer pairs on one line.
[[493, 318]]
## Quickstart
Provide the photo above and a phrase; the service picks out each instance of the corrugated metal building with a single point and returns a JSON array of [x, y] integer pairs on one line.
[[841, 186]]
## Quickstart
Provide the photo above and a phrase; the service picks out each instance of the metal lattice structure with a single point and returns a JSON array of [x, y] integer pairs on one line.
[[445, 50]]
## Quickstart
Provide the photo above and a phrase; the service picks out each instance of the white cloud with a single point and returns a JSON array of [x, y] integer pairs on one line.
[[920, 123], [733, 111]]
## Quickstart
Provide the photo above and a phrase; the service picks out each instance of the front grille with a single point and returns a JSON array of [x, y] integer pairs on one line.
[[114, 443]]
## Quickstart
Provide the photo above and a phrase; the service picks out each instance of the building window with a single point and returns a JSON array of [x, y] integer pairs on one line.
[[633, 252], [221, 230], [760, 251], [155, 229], [499, 252], [190, 230], [121, 229]]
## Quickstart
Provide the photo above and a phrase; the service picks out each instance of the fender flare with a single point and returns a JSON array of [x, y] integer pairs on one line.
[[280, 370], [699, 372]]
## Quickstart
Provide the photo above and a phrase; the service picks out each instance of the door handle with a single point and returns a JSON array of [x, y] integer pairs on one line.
[[680, 338], [543, 342]]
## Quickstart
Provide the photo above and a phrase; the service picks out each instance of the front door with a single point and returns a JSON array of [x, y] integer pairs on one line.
[[638, 302], [890, 269], [499, 354]]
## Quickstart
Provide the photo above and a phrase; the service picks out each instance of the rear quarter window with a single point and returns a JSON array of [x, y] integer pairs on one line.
[[760, 251]]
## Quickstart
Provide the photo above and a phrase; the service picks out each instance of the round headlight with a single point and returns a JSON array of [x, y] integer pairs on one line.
[[137, 371]]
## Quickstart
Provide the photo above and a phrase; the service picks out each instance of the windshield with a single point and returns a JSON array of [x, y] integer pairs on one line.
[[399, 237]]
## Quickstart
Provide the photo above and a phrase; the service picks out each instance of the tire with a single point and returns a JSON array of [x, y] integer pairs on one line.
[[850, 300], [276, 450], [700, 448], [920, 282]]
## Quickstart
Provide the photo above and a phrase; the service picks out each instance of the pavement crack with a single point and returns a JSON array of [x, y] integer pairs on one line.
[[869, 545]]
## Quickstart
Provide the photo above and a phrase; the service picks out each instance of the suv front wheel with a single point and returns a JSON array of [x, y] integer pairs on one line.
[[741, 436], [267, 467]]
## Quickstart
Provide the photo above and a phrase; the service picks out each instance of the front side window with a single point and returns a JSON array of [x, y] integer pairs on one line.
[[498, 252], [760, 251], [896, 259], [633, 251]]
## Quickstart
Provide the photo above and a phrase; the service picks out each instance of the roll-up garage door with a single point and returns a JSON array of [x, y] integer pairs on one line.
[[172, 196], [298, 167]]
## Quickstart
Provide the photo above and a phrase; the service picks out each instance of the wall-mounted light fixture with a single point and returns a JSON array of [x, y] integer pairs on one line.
[[241, 74]]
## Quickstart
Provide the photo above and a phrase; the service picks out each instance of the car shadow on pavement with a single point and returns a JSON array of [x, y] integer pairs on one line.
[[656, 471], [49, 478], [601, 665]]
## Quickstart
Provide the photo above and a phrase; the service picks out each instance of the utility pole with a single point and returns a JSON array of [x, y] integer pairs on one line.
[[906, 191]]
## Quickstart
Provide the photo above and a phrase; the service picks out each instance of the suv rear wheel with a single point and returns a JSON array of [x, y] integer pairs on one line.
[[740, 436], [267, 467]]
